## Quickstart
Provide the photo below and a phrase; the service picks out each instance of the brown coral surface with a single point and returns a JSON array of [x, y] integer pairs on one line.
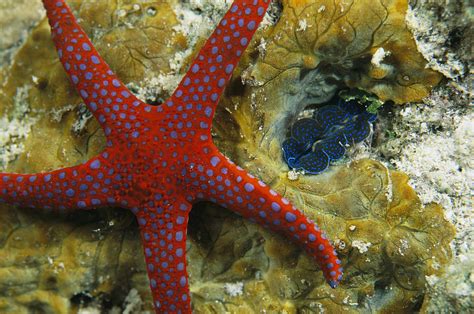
[[388, 241], [363, 44]]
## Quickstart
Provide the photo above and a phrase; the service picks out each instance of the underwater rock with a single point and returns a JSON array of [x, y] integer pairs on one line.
[[58, 264], [316, 49], [388, 243], [433, 143], [363, 44], [387, 240], [316, 142], [444, 34], [132, 38], [17, 17], [453, 291]]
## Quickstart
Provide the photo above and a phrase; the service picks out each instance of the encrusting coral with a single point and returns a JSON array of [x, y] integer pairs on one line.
[[388, 240], [319, 47], [355, 43], [389, 243], [139, 40]]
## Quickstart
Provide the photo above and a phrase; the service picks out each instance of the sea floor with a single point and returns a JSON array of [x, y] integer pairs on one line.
[[432, 140]]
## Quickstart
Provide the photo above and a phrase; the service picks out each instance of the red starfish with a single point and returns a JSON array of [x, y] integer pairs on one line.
[[159, 160]]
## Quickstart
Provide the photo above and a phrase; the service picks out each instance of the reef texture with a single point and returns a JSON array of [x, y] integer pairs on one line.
[[363, 44], [318, 47], [161, 160], [132, 39], [444, 32], [388, 240], [17, 17], [433, 141]]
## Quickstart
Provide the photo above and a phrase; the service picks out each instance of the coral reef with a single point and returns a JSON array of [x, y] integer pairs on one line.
[[17, 17], [354, 202], [432, 141], [135, 41], [378, 53], [388, 238], [87, 257], [317, 48], [444, 32], [56, 264]]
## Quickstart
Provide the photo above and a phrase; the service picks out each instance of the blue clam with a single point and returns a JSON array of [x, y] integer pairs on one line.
[[315, 142]]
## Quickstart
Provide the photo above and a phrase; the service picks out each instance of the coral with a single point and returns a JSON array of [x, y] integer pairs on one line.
[[317, 48], [382, 227], [389, 243], [51, 263], [15, 128], [444, 34], [315, 142], [257, 121], [388, 240], [137, 41], [17, 17], [432, 143], [151, 163], [454, 290], [362, 44]]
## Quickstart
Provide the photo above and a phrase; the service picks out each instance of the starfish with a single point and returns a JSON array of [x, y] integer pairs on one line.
[[159, 160]]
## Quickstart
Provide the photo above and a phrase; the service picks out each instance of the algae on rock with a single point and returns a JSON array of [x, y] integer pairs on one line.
[[319, 47], [133, 42], [52, 264], [363, 44], [387, 240]]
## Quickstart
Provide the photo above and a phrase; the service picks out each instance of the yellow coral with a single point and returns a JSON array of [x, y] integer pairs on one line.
[[387, 239], [341, 41], [388, 242]]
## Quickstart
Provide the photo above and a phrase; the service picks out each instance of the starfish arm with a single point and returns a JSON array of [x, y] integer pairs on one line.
[[106, 97], [84, 186], [232, 187], [163, 230], [199, 91]]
